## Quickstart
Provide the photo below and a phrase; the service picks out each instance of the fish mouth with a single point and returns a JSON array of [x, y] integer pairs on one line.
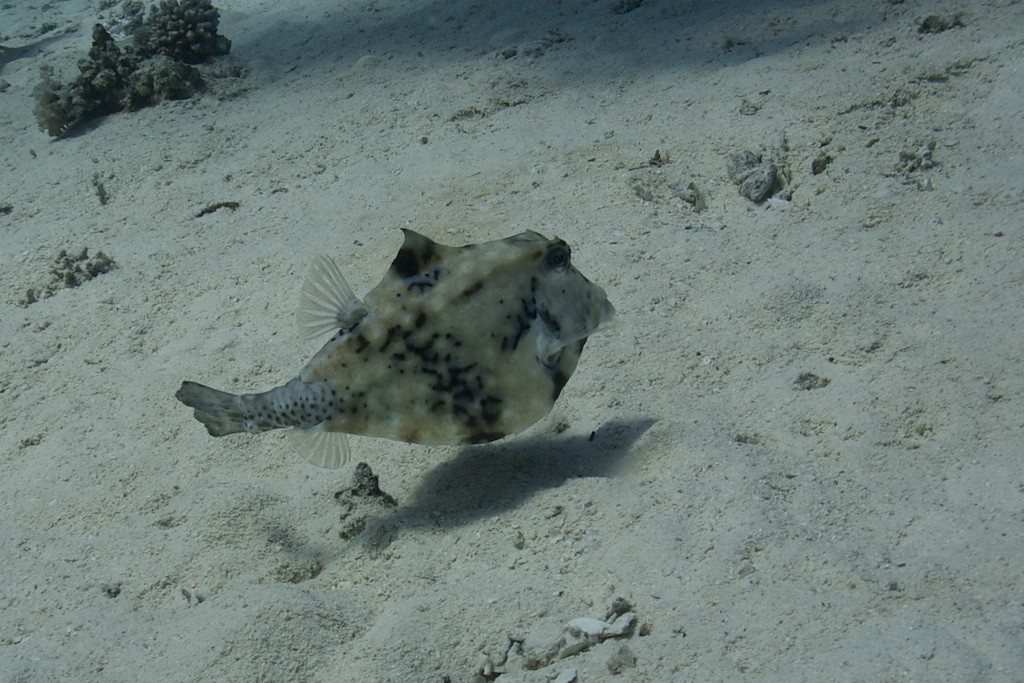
[[556, 336], [606, 320]]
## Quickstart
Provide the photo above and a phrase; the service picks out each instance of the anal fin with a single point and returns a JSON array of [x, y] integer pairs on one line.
[[319, 447]]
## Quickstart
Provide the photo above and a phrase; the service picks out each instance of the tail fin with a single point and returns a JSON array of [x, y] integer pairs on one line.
[[218, 410]]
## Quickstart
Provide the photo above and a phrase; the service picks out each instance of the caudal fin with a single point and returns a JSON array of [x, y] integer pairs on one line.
[[218, 410], [222, 413]]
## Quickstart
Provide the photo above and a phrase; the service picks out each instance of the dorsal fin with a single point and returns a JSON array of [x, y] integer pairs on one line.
[[417, 252], [327, 303]]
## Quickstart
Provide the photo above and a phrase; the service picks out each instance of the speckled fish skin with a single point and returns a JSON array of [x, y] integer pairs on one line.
[[456, 345]]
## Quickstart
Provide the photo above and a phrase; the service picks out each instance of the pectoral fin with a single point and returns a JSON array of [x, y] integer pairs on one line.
[[327, 303]]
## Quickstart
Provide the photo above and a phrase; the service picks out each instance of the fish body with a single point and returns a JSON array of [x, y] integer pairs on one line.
[[456, 345]]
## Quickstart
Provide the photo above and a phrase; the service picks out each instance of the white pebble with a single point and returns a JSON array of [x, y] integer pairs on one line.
[[567, 676], [585, 626], [622, 624]]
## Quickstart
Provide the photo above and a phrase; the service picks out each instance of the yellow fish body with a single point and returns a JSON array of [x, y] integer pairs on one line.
[[456, 345]]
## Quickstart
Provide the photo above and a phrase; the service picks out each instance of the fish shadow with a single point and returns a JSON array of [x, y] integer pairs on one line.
[[483, 481]]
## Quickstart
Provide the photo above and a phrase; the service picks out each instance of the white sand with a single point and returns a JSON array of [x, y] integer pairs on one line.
[[868, 530]]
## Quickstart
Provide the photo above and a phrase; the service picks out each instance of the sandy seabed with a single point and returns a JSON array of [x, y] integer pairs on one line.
[[797, 455]]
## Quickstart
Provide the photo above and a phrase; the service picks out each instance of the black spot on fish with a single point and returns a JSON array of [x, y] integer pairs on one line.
[[361, 343], [472, 289], [421, 319], [490, 409], [552, 324], [424, 351], [427, 254], [527, 314], [406, 264], [392, 331]]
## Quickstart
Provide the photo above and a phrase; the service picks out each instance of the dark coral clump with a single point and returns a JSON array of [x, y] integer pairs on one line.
[[157, 66], [161, 78], [57, 106], [183, 31], [97, 91]]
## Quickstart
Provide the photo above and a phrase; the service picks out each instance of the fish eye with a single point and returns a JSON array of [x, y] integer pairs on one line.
[[557, 257]]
